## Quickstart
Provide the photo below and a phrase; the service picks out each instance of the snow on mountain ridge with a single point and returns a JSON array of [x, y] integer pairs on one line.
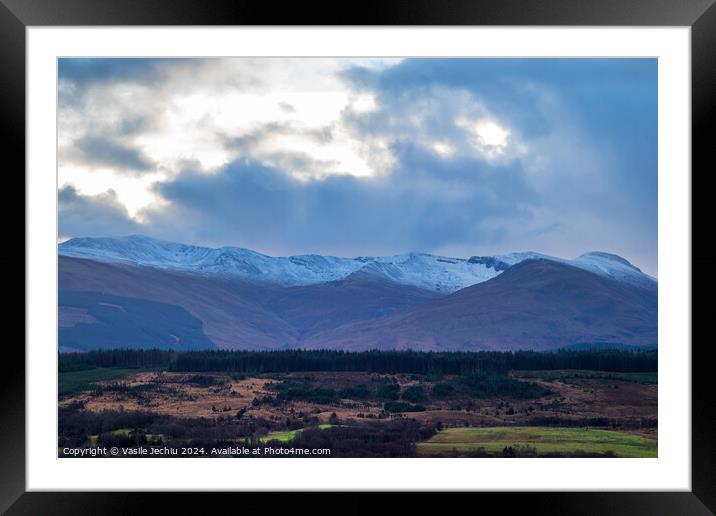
[[615, 267], [605, 264], [436, 273]]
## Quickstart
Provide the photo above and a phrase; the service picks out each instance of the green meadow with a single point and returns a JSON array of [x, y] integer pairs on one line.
[[78, 381], [288, 435], [543, 439]]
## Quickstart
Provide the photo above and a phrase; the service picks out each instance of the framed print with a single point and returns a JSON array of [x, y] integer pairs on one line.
[[424, 250]]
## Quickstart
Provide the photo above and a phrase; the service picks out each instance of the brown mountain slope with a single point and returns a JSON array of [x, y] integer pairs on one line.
[[231, 314], [360, 296], [237, 314], [537, 304]]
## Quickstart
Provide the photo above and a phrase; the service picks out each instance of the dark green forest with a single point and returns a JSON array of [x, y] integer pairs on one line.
[[416, 362]]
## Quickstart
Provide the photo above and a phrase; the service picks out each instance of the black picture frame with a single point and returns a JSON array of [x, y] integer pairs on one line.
[[700, 15]]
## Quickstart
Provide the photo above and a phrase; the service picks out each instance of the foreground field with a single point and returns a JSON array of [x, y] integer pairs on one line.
[[536, 441], [557, 413], [288, 435], [574, 401], [380, 405]]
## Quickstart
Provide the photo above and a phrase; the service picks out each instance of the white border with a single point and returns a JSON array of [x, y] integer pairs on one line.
[[672, 470]]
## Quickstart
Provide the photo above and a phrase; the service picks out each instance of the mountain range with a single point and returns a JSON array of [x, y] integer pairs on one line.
[[137, 291]]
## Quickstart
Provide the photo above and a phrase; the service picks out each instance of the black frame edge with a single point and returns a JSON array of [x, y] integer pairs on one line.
[[371, 12], [583, 504], [700, 14], [703, 122], [12, 381]]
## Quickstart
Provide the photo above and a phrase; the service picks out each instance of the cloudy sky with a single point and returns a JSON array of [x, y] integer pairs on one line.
[[363, 156]]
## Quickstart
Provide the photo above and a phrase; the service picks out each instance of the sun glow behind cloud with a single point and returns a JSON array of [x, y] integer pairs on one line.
[[487, 136], [134, 193]]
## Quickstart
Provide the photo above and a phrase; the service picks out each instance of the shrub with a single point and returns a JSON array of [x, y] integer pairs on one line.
[[202, 380], [358, 392], [388, 391], [414, 393], [401, 406], [443, 390], [486, 385]]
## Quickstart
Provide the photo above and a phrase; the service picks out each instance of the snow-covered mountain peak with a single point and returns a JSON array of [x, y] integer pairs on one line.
[[436, 273], [600, 257], [615, 267]]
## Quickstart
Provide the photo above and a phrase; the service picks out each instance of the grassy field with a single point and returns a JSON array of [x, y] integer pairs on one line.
[[288, 435], [124, 432], [78, 381], [543, 439]]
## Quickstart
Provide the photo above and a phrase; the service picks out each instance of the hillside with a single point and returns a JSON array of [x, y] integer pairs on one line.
[[132, 292], [537, 304]]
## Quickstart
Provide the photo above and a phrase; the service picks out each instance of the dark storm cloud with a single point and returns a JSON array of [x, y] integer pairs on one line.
[[97, 150], [610, 106], [133, 125], [597, 89], [78, 75], [92, 215], [115, 70], [614, 101], [579, 172], [423, 204], [102, 137]]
